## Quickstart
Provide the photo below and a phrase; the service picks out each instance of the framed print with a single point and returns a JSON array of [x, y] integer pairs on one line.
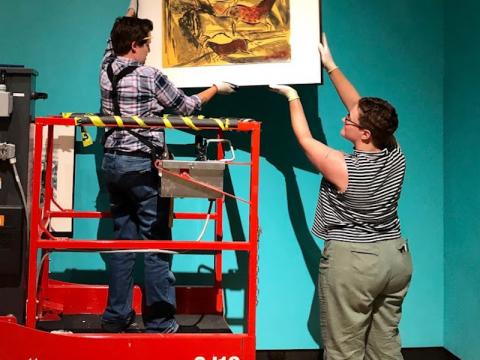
[[62, 173], [245, 42]]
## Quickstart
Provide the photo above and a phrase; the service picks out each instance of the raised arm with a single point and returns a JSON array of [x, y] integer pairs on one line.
[[132, 8], [108, 55], [347, 92], [330, 162]]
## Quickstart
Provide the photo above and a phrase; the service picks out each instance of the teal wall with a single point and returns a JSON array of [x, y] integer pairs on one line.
[[388, 49], [462, 180], [395, 50]]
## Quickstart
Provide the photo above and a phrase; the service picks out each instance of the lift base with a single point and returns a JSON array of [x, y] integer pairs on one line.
[[21, 342]]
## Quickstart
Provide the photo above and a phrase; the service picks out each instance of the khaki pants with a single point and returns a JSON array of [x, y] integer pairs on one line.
[[361, 289]]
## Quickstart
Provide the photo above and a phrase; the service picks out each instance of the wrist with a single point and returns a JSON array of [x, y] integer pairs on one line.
[[292, 95], [331, 69]]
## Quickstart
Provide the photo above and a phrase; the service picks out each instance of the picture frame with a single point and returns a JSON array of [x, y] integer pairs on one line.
[[303, 67], [62, 174]]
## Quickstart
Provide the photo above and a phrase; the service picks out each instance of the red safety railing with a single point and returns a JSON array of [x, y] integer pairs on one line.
[[51, 300]]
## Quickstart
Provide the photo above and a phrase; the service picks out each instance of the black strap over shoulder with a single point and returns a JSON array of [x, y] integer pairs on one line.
[[157, 153], [115, 79]]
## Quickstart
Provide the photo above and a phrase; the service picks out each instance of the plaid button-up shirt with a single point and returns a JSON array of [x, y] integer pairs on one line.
[[144, 92]]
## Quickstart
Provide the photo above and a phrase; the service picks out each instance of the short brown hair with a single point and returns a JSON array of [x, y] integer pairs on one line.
[[126, 30], [380, 118]]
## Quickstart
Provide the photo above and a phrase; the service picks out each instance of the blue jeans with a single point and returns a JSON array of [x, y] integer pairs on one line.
[[138, 212]]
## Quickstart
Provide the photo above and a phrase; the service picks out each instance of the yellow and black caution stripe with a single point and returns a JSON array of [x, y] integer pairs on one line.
[[119, 121], [189, 122], [222, 123], [166, 121], [139, 122], [96, 120], [86, 137]]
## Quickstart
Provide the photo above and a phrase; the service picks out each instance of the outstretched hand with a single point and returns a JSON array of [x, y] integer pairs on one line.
[[132, 8], [287, 91], [225, 88], [325, 53]]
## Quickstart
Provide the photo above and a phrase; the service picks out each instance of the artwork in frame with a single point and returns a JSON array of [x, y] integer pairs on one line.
[[222, 33], [246, 42], [62, 174]]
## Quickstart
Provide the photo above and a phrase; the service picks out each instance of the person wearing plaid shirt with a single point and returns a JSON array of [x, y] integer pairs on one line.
[[132, 181]]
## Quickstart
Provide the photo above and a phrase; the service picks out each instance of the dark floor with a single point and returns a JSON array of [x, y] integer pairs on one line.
[[436, 353]]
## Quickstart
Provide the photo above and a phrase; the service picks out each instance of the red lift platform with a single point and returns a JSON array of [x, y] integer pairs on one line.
[[63, 319]]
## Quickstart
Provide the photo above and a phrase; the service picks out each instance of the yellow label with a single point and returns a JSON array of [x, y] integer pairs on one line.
[[86, 138], [2, 220]]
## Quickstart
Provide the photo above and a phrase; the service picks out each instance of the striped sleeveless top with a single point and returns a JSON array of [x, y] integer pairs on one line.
[[367, 210]]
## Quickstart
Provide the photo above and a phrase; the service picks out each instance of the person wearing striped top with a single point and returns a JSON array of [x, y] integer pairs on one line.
[[365, 267], [129, 87]]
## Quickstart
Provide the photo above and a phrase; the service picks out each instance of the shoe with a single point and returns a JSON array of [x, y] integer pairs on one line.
[[117, 327], [134, 327], [172, 329]]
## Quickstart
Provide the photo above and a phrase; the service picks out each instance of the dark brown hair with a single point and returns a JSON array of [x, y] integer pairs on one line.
[[380, 118], [126, 30]]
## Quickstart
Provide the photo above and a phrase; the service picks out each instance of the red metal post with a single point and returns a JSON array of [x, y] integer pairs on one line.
[[44, 266], [253, 237], [219, 237], [48, 194], [89, 245], [31, 304]]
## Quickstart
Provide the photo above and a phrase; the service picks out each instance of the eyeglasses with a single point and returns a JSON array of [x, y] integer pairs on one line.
[[148, 40], [349, 121]]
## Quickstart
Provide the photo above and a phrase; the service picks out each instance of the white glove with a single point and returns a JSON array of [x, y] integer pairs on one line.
[[327, 58], [225, 88], [132, 7], [284, 90]]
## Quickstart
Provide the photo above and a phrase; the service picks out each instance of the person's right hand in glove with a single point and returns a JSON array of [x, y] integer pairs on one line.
[[326, 55]]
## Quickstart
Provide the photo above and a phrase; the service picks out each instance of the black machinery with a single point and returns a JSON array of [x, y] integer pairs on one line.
[[17, 96]]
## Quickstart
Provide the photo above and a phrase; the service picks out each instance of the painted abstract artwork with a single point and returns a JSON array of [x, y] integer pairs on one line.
[[245, 42], [221, 32]]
